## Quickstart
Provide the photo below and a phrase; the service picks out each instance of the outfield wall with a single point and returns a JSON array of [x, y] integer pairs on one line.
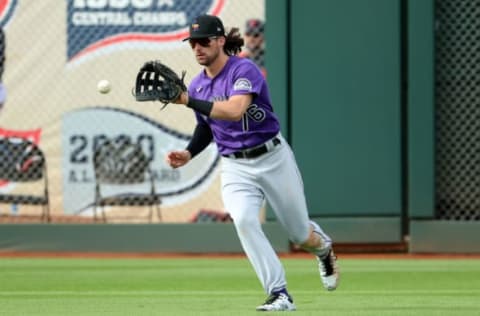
[[359, 102], [188, 238], [426, 237]]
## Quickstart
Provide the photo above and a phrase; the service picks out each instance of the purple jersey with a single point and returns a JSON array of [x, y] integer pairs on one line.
[[258, 124]]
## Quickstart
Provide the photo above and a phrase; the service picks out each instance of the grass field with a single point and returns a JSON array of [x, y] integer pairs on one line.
[[228, 286]]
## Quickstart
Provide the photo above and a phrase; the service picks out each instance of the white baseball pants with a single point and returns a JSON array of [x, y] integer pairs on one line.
[[245, 185]]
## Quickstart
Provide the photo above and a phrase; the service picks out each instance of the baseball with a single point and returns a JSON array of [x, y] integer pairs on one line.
[[103, 86]]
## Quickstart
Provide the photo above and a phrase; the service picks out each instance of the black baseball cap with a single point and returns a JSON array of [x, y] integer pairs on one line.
[[254, 26], [206, 26]]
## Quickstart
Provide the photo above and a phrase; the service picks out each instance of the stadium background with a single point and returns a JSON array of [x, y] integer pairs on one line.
[[378, 99]]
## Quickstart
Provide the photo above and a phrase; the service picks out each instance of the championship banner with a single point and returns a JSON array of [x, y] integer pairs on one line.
[[55, 54], [80, 140], [116, 22]]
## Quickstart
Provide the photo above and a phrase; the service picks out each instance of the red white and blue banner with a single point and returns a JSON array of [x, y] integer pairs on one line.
[[7, 9], [111, 23]]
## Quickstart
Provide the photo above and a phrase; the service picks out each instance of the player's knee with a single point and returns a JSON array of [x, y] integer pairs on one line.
[[244, 222]]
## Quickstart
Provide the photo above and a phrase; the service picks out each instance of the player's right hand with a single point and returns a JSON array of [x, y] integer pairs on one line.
[[178, 158]]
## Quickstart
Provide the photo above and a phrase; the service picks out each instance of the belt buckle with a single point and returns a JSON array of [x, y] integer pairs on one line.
[[241, 154], [264, 148], [258, 151]]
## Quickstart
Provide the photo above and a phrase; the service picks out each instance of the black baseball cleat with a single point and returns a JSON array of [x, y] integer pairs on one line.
[[277, 302], [329, 272]]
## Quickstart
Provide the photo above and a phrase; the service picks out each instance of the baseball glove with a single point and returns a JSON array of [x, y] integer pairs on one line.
[[157, 82]]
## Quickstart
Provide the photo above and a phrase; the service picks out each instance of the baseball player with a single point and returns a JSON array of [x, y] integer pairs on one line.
[[232, 106]]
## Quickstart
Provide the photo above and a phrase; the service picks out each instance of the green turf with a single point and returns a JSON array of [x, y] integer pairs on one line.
[[200, 286]]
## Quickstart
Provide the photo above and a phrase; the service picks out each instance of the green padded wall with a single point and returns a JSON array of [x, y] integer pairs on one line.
[[346, 105], [277, 62], [421, 100]]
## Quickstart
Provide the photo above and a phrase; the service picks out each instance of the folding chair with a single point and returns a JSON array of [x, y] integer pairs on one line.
[[22, 162], [123, 170]]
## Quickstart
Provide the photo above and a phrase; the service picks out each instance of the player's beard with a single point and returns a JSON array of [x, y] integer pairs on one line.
[[207, 60]]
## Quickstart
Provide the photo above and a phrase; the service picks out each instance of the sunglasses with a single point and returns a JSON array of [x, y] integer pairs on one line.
[[204, 42], [253, 34]]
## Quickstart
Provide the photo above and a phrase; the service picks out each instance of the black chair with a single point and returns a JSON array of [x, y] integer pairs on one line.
[[22, 162], [125, 168]]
